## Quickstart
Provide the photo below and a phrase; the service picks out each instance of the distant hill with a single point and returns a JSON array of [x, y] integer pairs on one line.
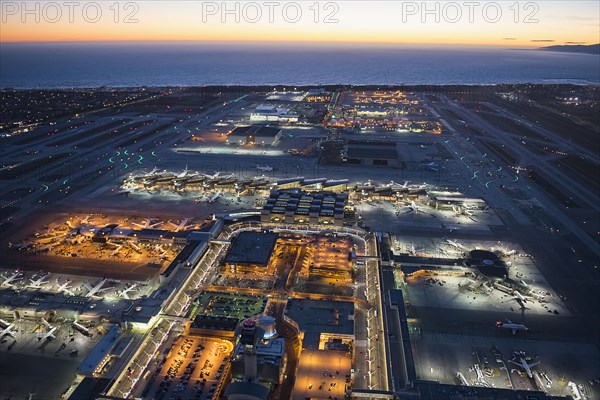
[[574, 48]]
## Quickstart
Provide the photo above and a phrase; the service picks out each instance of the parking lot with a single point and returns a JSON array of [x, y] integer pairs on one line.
[[191, 369]]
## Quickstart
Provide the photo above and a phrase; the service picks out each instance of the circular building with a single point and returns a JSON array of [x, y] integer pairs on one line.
[[487, 263]]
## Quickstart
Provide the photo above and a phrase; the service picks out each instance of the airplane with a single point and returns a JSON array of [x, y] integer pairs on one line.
[[12, 278], [35, 283], [125, 291], [7, 329], [214, 197], [51, 331], [217, 175], [65, 287], [432, 166], [450, 228], [147, 224], [81, 328], [92, 291], [152, 172], [412, 207], [116, 251], [520, 297], [507, 324], [182, 226], [266, 168], [20, 246], [414, 251], [184, 173], [523, 363], [200, 199], [455, 244]]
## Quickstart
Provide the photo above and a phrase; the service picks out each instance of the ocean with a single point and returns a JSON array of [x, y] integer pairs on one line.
[[127, 64]]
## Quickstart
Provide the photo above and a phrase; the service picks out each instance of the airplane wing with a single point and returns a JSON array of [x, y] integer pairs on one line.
[[516, 363], [104, 289], [533, 364], [514, 331], [508, 321], [88, 287]]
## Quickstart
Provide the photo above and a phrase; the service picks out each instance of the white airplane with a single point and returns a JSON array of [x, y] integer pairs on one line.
[[116, 251], [455, 244], [520, 297], [81, 328], [125, 291], [507, 324], [65, 287], [152, 172], [183, 225], [184, 173], [523, 363], [200, 199], [8, 280], [7, 329], [266, 168], [147, 224], [450, 228], [214, 197], [20, 246], [414, 251], [51, 331], [93, 291], [412, 207], [431, 166], [36, 283], [218, 175]]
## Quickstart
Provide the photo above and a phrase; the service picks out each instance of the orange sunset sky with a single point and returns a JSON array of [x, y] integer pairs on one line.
[[504, 23]]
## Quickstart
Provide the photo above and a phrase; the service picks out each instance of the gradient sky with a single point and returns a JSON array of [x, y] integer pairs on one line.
[[558, 22]]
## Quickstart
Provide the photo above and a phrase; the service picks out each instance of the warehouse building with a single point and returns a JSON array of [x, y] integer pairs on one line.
[[371, 152], [262, 135]]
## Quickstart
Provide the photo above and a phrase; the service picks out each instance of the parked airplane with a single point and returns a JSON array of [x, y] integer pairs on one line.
[[455, 244], [36, 283], [432, 166], [520, 297], [507, 324], [214, 197], [450, 228], [93, 291], [82, 328], [200, 199], [8, 280], [125, 291], [20, 246], [216, 175], [183, 225], [414, 251], [184, 173], [65, 287], [152, 172], [266, 168], [7, 329], [523, 362], [50, 334], [147, 223]]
